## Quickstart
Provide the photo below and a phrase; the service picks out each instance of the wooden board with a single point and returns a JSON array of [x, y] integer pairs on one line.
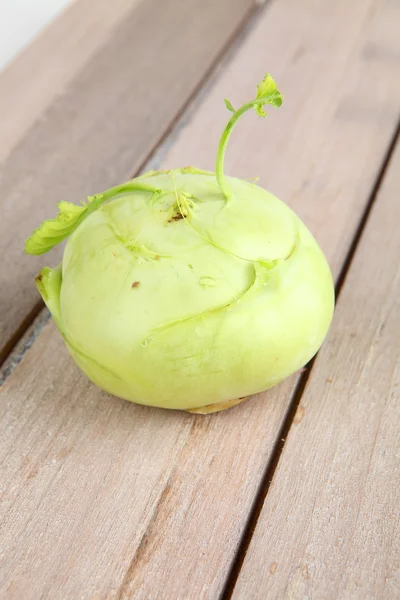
[[330, 524], [55, 57], [108, 108], [163, 499]]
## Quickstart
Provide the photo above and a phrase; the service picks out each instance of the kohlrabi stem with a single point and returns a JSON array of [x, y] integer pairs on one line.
[[219, 166], [110, 194], [53, 231], [267, 93]]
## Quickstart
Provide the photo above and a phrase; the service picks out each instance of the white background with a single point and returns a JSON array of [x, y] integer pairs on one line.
[[21, 21]]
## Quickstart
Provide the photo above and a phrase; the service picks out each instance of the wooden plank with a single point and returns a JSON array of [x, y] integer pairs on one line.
[[330, 524], [107, 110], [107, 493], [60, 51], [197, 511]]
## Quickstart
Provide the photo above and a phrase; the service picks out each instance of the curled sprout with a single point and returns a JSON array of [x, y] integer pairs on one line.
[[267, 93]]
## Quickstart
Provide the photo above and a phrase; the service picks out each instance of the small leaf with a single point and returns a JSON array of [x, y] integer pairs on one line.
[[259, 110], [267, 87], [229, 105], [269, 93], [53, 231], [276, 100]]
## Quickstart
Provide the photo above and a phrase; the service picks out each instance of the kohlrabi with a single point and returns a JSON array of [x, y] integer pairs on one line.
[[187, 289]]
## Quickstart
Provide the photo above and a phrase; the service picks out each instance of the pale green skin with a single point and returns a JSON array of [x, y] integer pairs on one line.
[[232, 298]]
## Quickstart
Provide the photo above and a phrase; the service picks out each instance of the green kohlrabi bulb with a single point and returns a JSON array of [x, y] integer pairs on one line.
[[187, 289]]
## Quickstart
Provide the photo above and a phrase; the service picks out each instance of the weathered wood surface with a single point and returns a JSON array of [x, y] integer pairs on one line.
[[111, 500], [330, 525], [55, 57], [95, 108]]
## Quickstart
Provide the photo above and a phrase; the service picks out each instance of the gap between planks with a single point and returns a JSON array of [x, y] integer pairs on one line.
[[329, 527], [300, 387]]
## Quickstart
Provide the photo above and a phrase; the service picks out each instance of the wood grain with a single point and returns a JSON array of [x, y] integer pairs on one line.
[[73, 470], [55, 57], [330, 523], [107, 110], [129, 534]]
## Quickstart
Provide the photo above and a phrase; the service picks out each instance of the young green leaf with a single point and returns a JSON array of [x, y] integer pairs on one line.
[[268, 93], [53, 231], [267, 88], [229, 105]]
